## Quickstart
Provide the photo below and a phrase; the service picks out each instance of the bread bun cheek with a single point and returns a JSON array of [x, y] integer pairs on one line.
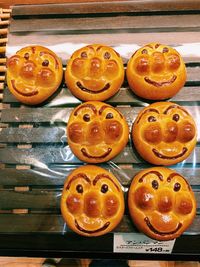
[[136, 77]]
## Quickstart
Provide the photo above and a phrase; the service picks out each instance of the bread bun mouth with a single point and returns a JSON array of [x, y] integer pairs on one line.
[[91, 91]]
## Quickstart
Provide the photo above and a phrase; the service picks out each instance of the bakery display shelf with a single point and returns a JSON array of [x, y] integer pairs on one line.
[[34, 153]]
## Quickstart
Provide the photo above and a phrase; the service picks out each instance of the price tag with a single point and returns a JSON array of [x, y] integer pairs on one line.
[[139, 243]]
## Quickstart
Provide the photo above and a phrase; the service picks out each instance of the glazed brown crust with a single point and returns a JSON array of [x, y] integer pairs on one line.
[[94, 72], [92, 202], [34, 73], [96, 132], [156, 72], [163, 210], [164, 133]]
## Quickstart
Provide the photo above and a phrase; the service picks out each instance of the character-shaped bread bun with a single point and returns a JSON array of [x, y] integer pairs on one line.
[[34, 73], [96, 132], [94, 72], [156, 72], [92, 202], [161, 203], [164, 133]]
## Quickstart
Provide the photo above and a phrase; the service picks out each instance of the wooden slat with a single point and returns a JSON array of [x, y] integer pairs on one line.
[[33, 135], [107, 7], [35, 199], [55, 176], [130, 23], [125, 96], [52, 223], [40, 199], [44, 155]]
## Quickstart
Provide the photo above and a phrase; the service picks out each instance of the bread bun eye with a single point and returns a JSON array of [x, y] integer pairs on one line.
[[76, 132], [186, 132], [104, 188], [79, 189], [142, 65], [45, 63], [107, 55], [84, 54], [86, 117], [173, 62], [153, 134]]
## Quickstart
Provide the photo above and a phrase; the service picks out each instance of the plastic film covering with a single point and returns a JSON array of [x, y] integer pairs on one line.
[[35, 155]]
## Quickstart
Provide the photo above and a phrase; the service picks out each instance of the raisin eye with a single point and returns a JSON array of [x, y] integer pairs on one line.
[[104, 188], [107, 55], [175, 117], [177, 187], [151, 118], [109, 116], [45, 63], [86, 117], [26, 56], [165, 50], [84, 54], [79, 188], [144, 51], [155, 184]]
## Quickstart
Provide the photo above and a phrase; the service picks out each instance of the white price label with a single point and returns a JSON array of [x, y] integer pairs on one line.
[[138, 243]]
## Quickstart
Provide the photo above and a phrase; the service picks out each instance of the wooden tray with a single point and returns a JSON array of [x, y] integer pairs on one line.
[[35, 157]]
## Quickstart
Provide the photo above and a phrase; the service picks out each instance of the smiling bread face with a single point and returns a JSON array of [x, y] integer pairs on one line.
[[34, 73], [94, 72], [161, 203], [92, 202], [96, 132], [156, 72], [164, 133]]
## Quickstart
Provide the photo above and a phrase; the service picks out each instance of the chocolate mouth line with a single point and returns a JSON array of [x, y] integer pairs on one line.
[[159, 84], [154, 230], [34, 92], [83, 88], [91, 231], [85, 153], [159, 155]]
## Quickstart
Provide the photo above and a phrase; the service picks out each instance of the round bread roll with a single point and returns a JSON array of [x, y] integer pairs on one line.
[[161, 203], [94, 72], [156, 72], [34, 73], [164, 133], [96, 132], [92, 202]]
